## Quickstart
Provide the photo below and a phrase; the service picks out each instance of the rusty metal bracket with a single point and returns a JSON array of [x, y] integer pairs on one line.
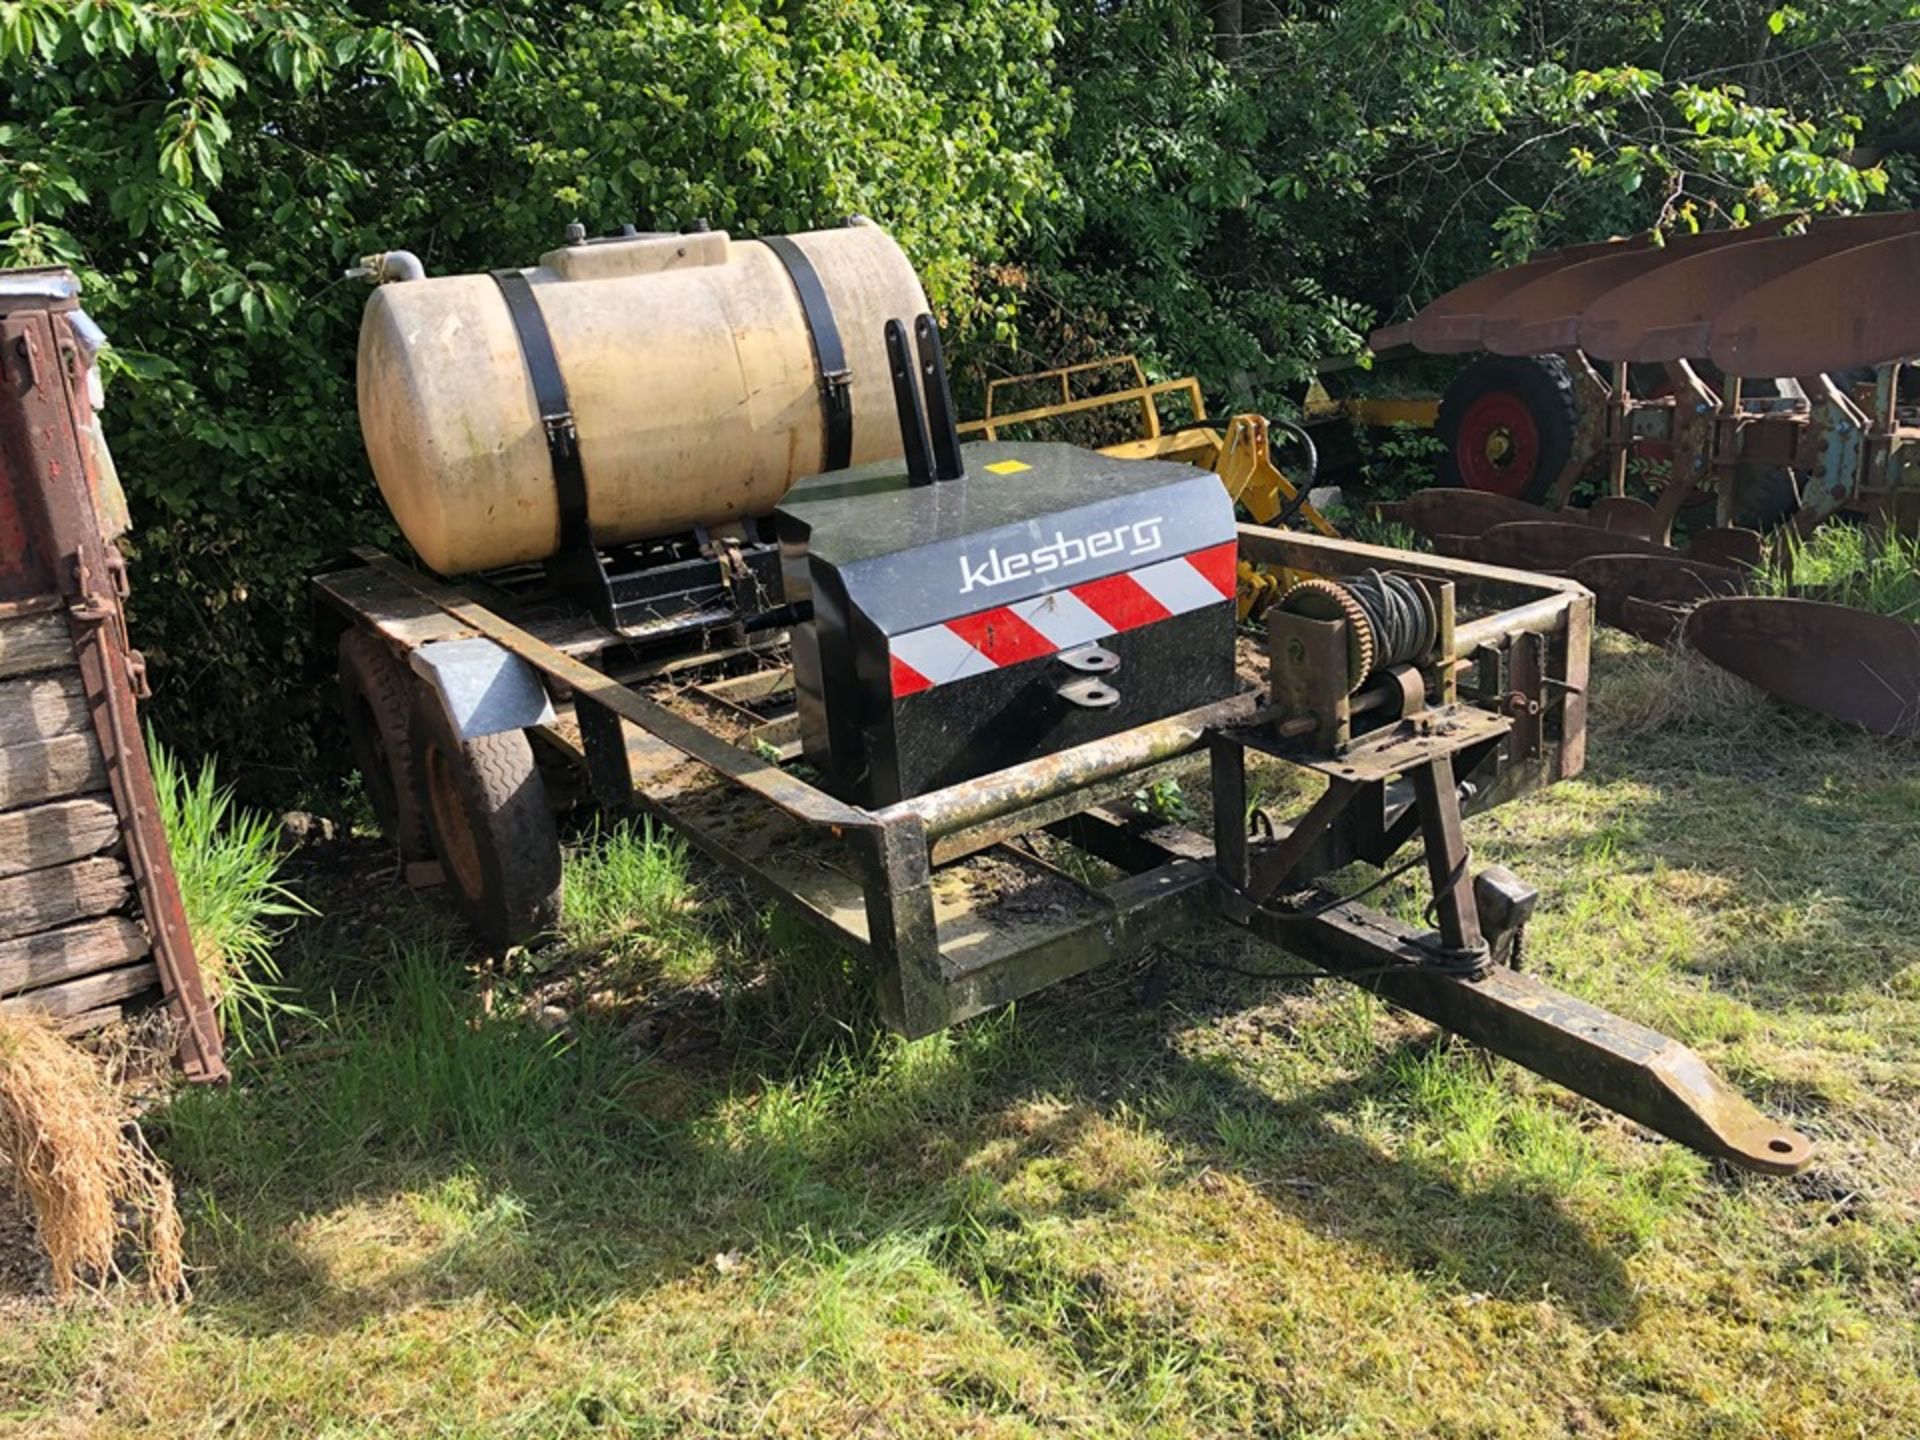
[[1641, 1073]]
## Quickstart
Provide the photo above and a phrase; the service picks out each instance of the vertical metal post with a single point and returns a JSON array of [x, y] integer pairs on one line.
[[901, 930], [1571, 656], [1622, 439], [937, 395], [1439, 802], [915, 446], [603, 739], [1229, 765], [1726, 451], [1526, 677], [1878, 482]]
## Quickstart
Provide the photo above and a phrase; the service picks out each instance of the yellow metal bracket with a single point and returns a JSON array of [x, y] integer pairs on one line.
[[1245, 467], [1241, 455]]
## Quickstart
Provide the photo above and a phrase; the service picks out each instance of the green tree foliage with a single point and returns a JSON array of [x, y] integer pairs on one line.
[[935, 119], [1239, 205], [212, 168], [1232, 189]]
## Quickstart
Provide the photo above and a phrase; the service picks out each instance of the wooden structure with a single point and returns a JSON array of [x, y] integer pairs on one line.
[[90, 916]]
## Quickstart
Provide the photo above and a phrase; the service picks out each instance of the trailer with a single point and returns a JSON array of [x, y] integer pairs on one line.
[[972, 895], [906, 687]]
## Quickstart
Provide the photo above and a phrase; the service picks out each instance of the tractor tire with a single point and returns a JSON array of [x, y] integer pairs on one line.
[[486, 809], [376, 694], [1508, 424], [1764, 497]]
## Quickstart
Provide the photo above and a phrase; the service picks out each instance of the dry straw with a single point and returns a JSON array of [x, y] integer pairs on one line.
[[68, 1142]]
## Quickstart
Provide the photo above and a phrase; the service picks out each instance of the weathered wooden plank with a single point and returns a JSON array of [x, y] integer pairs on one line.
[[56, 833], [30, 605], [90, 992], [39, 707], [47, 899], [53, 956], [44, 770], [34, 642], [91, 1019]]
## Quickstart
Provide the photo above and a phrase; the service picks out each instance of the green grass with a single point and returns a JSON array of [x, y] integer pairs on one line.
[[227, 859], [1848, 565], [718, 1201], [627, 880]]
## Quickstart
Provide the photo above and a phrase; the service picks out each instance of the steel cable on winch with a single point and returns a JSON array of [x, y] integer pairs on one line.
[[1402, 617]]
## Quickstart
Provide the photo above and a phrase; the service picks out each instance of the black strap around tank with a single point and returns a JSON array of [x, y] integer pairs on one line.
[[829, 357], [556, 412]]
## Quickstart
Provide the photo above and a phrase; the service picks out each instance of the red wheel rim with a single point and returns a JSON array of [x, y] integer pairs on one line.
[[1498, 445]]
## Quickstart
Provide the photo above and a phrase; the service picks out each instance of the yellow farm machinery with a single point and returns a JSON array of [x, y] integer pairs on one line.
[[1240, 452]]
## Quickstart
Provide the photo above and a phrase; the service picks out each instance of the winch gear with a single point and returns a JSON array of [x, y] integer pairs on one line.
[[1330, 600]]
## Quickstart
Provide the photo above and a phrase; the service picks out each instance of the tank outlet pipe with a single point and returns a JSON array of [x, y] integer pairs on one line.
[[387, 267]]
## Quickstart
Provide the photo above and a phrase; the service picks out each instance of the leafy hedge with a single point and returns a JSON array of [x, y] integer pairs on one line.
[[1070, 178], [213, 168]]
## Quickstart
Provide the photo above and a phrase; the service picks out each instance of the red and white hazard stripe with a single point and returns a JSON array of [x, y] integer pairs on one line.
[[1047, 624]]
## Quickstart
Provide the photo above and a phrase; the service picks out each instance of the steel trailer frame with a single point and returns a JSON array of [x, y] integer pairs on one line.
[[956, 917]]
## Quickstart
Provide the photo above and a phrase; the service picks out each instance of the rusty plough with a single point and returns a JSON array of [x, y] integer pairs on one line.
[[1755, 372]]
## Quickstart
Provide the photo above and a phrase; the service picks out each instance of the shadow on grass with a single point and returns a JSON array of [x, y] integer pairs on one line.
[[438, 1151], [1786, 844]]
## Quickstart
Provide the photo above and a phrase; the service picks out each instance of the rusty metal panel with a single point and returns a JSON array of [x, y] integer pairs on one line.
[[23, 563], [1450, 324], [44, 415], [1663, 585], [1526, 669], [1460, 512], [1846, 310], [1552, 546], [1668, 314], [1545, 315], [1768, 439], [1729, 545], [1623, 515], [1852, 665]]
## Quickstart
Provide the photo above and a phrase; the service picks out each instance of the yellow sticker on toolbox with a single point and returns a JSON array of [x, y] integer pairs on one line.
[[1008, 467]]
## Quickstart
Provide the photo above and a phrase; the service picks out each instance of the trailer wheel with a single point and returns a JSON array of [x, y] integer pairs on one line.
[[374, 692], [1508, 424], [486, 808]]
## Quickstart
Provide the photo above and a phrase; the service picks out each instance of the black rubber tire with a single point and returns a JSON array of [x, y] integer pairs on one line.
[[486, 808], [376, 695], [1543, 385], [1764, 496]]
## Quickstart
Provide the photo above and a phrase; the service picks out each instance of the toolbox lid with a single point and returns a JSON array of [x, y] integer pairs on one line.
[[1029, 518]]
